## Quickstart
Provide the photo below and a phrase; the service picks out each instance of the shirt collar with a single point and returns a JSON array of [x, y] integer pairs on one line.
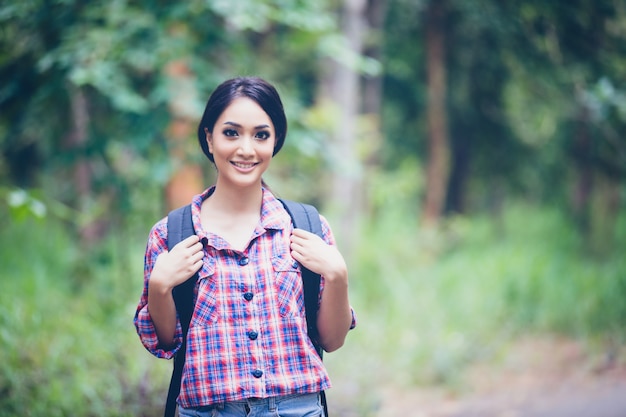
[[273, 213]]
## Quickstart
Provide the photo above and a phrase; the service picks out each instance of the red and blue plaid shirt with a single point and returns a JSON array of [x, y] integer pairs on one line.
[[248, 334]]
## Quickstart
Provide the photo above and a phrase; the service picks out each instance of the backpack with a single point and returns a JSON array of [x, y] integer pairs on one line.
[[179, 227]]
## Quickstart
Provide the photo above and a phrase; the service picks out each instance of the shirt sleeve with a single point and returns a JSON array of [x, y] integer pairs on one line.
[[157, 244], [329, 238]]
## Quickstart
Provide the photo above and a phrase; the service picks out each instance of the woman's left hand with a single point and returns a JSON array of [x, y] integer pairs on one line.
[[318, 256]]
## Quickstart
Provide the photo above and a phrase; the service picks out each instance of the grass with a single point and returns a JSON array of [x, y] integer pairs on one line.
[[429, 304], [66, 328]]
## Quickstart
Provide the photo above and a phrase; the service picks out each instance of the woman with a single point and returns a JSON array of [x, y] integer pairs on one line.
[[247, 346]]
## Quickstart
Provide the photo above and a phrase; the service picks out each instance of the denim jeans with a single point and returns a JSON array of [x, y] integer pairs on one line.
[[295, 405]]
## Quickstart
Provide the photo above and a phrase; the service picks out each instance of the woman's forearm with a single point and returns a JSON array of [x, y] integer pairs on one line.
[[163, 313], [335, 315]]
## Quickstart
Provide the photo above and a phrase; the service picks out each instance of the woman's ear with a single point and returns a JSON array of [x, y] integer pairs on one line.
[[209, 139]]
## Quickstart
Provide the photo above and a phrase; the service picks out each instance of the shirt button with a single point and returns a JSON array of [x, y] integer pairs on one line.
[[244, 261], [257, 373], [248, 296], [253, 335], [204, 241], [294, 265]]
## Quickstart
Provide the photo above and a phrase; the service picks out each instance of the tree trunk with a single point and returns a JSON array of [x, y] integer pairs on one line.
[[437, 169], [459, 172], [583, 186], [186, 180], [76, 142], [372, 85], [344, 93], [371, 137]]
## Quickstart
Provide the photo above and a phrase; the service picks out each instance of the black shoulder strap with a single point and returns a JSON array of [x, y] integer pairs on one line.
[[305, 216], [180, 227]]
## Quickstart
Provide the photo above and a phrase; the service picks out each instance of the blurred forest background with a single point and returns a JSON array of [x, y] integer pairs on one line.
[[470, 155]]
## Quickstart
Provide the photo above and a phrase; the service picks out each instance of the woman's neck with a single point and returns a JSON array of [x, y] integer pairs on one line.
[[232, 213], [236, 200]]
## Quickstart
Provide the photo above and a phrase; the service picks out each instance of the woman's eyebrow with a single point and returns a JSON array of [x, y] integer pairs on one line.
[[232, 124], [263, 126]]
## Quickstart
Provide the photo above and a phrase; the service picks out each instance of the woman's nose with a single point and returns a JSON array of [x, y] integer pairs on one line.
[[246, 145]]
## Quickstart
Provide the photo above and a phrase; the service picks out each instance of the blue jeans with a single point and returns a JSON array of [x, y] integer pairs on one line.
[[295, 405]]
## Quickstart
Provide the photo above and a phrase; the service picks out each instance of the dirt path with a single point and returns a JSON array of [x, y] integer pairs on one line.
[[539, 378]]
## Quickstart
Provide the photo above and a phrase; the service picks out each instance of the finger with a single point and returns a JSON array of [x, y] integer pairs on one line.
[[190, 241], [301, 233], [198, 247], [300, 240], [296, 246], [296, 255]]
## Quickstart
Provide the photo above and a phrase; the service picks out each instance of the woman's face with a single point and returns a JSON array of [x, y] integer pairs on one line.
[[242, 143]]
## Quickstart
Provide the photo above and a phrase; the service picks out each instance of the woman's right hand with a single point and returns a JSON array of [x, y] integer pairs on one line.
[[178, 265]]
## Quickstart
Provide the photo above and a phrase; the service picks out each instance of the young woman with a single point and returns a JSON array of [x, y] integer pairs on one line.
[[248, 352]]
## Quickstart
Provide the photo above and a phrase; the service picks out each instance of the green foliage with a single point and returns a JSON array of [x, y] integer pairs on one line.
[[89, 83], [526, 83], [66, 327]]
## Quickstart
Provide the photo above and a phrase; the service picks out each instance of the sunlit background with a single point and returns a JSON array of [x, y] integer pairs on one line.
[[469, 154]]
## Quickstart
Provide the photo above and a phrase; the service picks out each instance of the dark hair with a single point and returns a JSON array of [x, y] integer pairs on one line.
[[257, 89]]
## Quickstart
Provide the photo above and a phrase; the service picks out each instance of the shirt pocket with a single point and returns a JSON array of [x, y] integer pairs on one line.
[[205, 310], [287, 285]]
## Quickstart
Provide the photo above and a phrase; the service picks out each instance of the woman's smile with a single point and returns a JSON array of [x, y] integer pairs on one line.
[[244, 165]]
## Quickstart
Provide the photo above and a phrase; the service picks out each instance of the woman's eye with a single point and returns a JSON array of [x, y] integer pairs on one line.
[[230, 132], [263, 135]]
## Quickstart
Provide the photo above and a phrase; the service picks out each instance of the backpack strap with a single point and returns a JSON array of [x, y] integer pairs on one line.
[[180, 227], [305, 216]]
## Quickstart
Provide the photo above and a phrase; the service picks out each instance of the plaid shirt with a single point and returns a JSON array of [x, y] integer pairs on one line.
[[248, 334]]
